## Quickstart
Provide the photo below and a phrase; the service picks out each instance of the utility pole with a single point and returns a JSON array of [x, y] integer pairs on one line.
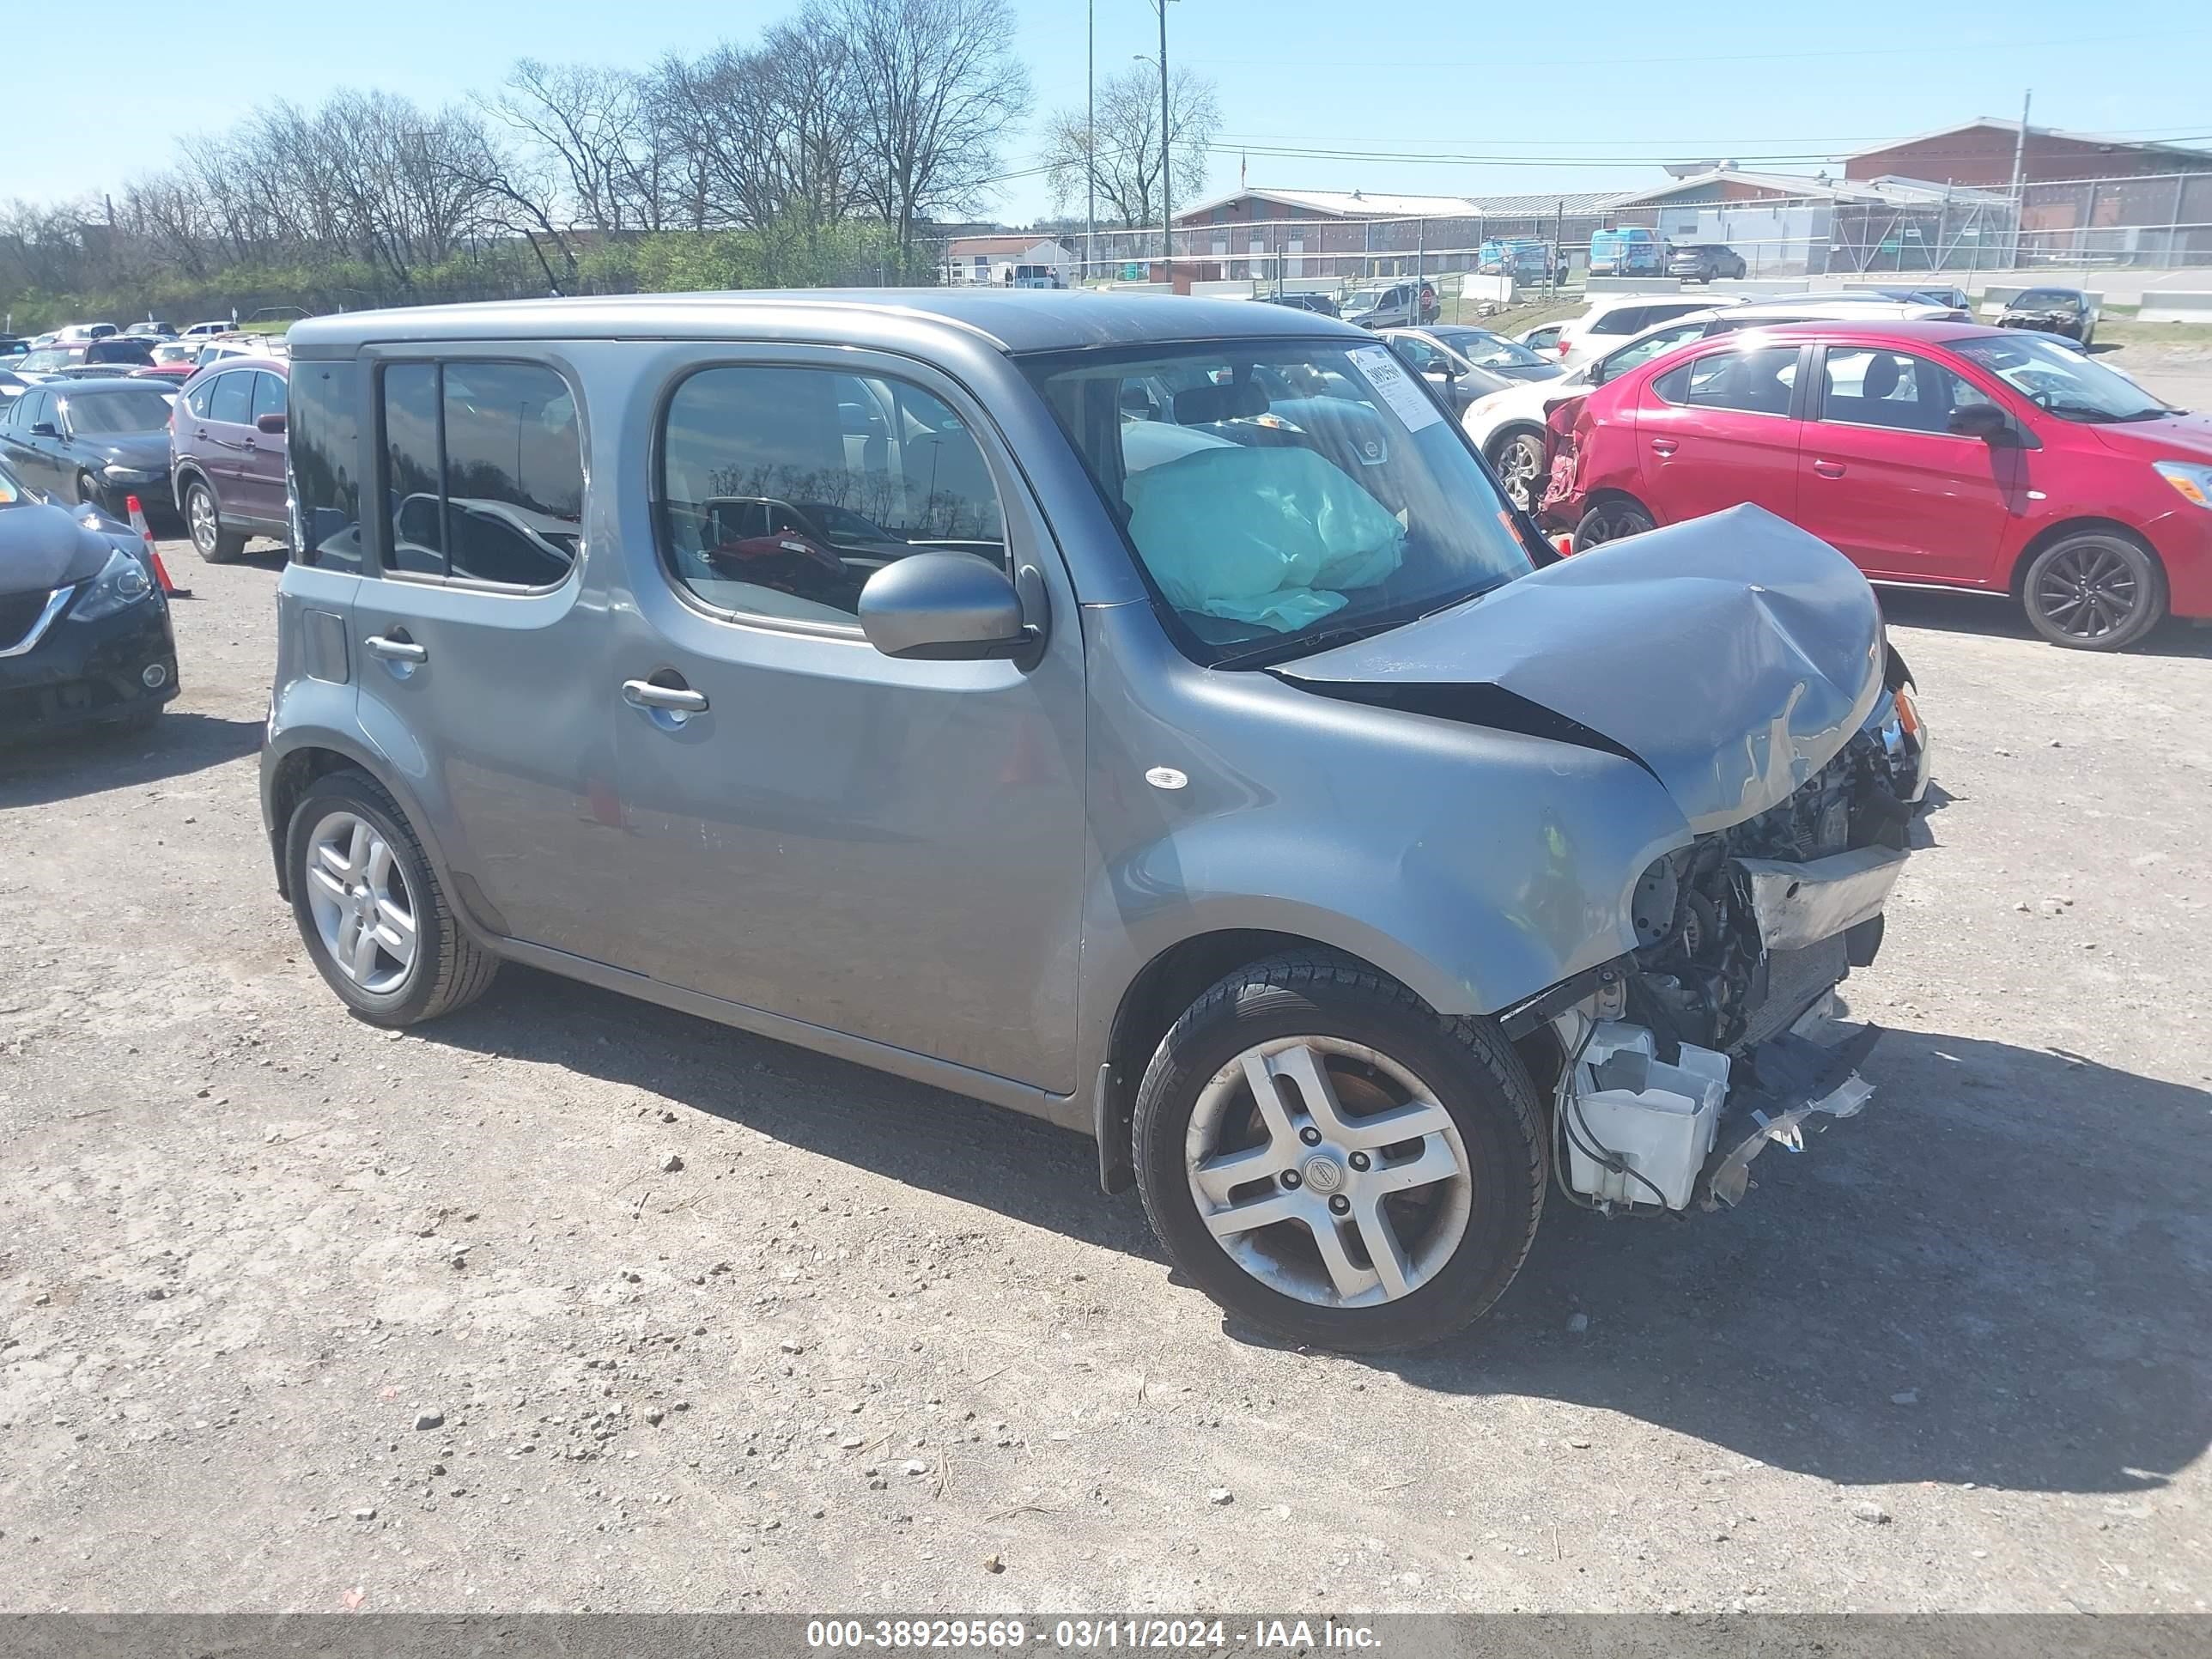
[[1090, 144], [2019, 166], [1167, 146]]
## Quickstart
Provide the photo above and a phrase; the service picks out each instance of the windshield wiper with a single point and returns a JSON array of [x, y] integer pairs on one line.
[[1304, 645]]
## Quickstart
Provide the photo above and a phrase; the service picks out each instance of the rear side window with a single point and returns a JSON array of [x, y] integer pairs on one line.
[[1629, 319], [782, 490], [323, 442], [483, 472], [231, 400], [1754, 382]]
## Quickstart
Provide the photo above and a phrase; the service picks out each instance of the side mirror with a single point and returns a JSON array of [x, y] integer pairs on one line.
[[45, 430], [945, 607], [271, 425], [1983, 421]]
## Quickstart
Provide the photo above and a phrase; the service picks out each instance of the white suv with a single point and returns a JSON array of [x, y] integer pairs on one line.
[[1618, 318]]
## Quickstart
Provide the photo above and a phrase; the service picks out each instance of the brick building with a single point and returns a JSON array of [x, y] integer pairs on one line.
[[1980, 152]]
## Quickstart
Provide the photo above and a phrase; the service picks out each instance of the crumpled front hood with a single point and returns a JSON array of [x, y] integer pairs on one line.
[[1731, 656], [43, 548]]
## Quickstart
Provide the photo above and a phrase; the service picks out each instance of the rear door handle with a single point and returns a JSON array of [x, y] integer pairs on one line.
[[1829, 468], [393, 650], [1662, 446], [644, 694]]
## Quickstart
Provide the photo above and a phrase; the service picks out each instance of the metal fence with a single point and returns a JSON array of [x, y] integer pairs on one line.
[[2156, 221]]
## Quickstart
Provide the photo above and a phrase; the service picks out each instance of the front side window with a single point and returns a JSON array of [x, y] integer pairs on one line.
[[323, 448], [2061, 382], [1867, 386], [1293, 494], [1757, 381], [782, 490], [2049, 299], [483, 472], [1419, 355]]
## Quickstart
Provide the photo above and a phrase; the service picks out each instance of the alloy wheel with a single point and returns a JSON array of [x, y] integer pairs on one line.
[[1329, 1171], [2089, 591], [199, 513], [364, 911], [1613, 521], [1518, 464]]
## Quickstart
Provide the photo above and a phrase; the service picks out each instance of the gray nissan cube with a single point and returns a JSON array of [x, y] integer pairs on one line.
[[1144, 713]]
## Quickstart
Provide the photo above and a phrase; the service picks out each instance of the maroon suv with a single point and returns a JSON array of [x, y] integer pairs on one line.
[[227, 454]]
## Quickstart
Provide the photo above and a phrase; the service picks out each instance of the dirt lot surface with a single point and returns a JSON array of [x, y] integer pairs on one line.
[[296, 1315]]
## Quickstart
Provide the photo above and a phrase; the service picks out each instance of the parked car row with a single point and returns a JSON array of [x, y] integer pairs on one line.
[[208, 451]]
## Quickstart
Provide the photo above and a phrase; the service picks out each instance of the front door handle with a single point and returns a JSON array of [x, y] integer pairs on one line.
[[1829, 468], [1662, 446], [396, 650], [644, 694]]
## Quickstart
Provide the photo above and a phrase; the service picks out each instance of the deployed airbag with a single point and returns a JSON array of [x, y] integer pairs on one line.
[[1264, 536]]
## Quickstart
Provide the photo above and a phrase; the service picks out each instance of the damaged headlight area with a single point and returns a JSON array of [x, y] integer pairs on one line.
[[1715, 1036]]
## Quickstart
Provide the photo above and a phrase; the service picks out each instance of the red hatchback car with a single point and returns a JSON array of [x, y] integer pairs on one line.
[[1945, 453]]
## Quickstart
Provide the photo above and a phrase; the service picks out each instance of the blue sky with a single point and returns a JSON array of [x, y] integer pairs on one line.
[[1593, 99]]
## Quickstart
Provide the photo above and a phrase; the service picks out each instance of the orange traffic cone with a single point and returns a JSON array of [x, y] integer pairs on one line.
[[169, 588]]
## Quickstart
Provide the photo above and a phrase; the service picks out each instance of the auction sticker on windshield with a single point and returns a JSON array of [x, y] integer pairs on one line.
[[1395, 387]]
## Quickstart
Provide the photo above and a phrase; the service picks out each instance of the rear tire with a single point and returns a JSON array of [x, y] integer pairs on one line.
[[203, 519], [2096, 590], [1611, 520], [443, 969], [1453, 1202]]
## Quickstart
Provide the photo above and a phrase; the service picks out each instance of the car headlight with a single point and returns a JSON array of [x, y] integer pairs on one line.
[[122, 582], [2192, 480]]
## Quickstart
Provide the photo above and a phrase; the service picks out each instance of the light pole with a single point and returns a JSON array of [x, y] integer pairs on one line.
[[1091, 144], [1167, 182]]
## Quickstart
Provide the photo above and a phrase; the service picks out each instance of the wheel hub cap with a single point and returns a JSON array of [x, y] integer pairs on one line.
[[1329, 1171], [364, 911]]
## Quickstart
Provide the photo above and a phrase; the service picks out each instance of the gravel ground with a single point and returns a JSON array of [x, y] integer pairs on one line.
[[300, 1316]]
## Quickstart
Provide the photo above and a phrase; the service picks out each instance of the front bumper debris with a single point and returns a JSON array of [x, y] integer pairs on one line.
[[1799, 903], [1808, 1072]]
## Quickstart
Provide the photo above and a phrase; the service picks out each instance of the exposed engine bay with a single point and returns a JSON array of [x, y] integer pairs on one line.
[[1716, 1037], [1706, 973]]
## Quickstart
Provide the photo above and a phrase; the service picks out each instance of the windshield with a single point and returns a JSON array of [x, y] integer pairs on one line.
[[2061, 382], [47, 359], [1282, 496], [1486, 350], [2048, 299], [101, 412]]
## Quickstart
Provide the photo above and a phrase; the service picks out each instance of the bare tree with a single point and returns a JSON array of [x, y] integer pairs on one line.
[[593, 126], [1129, 138], [939, 86]]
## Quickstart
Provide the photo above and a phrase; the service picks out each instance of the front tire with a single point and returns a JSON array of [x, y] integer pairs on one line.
[[1611, 520], [2096, 590], [1381, 1187], [1519, 463], [203, 519], [374, 919]]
